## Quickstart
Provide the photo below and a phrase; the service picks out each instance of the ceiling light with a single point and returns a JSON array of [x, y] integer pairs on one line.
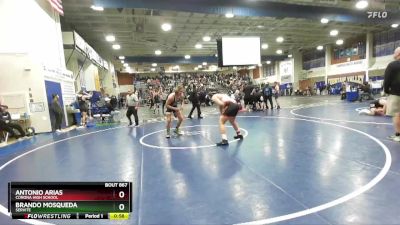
[[324, 20], [116, 46], [320, 47], [153, 69], [260, 26], [235, 67], [229, 15], [362, 4], [339, 42], [290, 56], [166, 27], [334, 32], [110, 38], [395, 25], [122, 61], [206, 38], [187, 56], [121, 57], [97, 8], [200, 66], [157, 52], [204, 63], [126, 64], [198, 46], [196, 68], [154, 64], [264, 46], [279, 39], [279, 51], [268, 62]]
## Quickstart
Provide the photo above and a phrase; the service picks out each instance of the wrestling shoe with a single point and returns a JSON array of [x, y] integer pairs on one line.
[[391, 137], [223, 143], [397, 139], [168, 135], [178, 132], [239, 136]]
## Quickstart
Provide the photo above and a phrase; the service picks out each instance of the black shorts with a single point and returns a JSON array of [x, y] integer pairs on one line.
[[83, 107], [231, 110], [172, 111], [157, 99]]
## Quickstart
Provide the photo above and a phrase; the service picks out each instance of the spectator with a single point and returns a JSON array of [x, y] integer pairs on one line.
[[7, 125], [57, 111]]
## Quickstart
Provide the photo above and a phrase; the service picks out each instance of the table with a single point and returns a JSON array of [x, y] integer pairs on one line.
[[352, 96]]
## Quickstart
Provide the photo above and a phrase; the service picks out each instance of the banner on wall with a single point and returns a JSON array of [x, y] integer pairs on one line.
[[65, 78], [81, 44], [286, 71], [359, 79], [348, 67]]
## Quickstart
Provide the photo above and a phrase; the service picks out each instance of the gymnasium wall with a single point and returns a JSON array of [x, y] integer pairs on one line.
[[32, 40]]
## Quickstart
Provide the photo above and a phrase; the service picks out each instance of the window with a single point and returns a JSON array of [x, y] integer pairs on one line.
[[313, 59]]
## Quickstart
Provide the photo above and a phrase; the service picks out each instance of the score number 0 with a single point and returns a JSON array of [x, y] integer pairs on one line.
[[121, 194]]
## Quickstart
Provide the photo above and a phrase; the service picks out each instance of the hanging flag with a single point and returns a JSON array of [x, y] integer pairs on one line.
[[57, 5]]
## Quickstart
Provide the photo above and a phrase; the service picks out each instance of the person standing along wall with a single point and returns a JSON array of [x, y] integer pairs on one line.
[[58, 112], [83, 106], [391, 85]]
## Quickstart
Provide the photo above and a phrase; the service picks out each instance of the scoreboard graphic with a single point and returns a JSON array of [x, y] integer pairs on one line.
[[70, 200]]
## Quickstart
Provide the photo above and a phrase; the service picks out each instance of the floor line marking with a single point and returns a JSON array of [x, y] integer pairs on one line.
[[334, 120], [276, 186], [338, 201], [185, 147], [342, 199], [141, 187]]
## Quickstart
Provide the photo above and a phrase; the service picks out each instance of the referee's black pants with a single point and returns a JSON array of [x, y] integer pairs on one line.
[[132, 110]]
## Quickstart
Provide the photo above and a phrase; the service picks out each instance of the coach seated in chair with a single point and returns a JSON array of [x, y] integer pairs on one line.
[[7, 125], [365, 92]]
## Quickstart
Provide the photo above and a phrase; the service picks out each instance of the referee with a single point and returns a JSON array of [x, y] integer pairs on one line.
[[391, 85], [132, 102]]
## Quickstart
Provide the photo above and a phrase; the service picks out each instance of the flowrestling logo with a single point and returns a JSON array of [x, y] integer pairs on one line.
[[377, 15]]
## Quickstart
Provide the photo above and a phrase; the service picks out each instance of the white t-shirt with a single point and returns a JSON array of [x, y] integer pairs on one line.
[[131, 100]]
